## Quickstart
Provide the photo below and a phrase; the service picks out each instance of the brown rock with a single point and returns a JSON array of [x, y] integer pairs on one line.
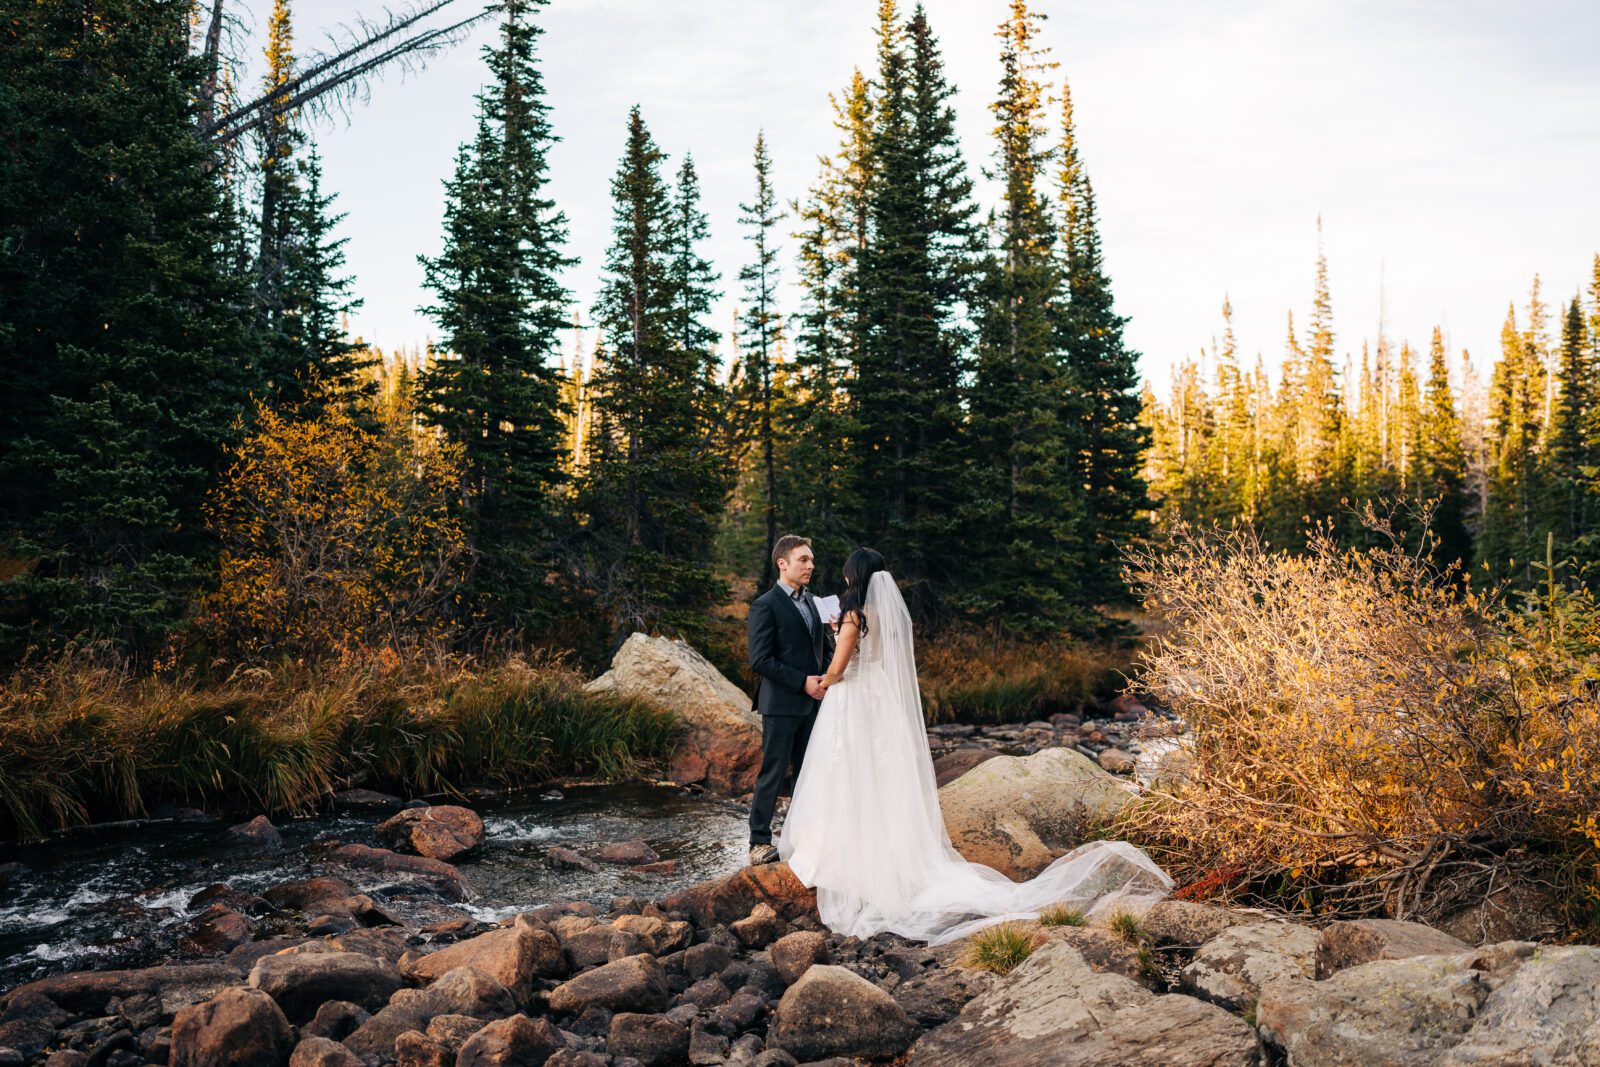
[[834, 1012], [85, 993], [258, 833], [236, 1028], [793, 954], [335, 1020], [301, 982], [1346, 944], [721, 740], [463, 991], [1116, 760], [953, 765], [733, 897], [661, 936], [415, 1048], [634, 983], [514, 1042], [319, 1051], [662, 867], [440, 831], [627, 853], [760, 928], [322, 1052], [216, 930], [564, 859], [515, 956], [452, 1031], [440, 875], [653, 1040], [302, 895]]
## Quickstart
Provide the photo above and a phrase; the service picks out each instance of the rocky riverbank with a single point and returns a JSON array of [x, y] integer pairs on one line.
[[739, 971], [377, 956]]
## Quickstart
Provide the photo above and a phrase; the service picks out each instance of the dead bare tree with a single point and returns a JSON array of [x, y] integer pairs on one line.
[[329, 80]]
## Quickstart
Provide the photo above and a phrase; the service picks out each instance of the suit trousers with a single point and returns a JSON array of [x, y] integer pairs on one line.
[[783, 747]]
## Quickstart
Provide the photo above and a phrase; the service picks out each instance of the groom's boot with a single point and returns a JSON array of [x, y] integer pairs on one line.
[[760, 854]]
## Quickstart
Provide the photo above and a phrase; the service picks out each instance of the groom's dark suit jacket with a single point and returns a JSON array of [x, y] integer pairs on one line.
[[784, 653]]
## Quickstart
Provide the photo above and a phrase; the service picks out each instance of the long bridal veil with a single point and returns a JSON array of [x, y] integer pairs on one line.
[[866, 831]]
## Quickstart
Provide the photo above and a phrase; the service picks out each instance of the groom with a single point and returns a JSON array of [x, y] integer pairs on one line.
[[789, 647]]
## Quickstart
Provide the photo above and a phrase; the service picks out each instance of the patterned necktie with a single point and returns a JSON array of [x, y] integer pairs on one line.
[[799, 598]]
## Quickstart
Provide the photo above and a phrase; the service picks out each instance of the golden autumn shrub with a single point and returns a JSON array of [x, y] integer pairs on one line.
[[335, 536], [1367, 735]]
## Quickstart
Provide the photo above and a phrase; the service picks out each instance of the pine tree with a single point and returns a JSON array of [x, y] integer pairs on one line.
[[493, 386], [761, 336], [1510, 536], [1323, 469], [1441, 461], [1108, 442], [128, 352], [816, 420], [1571, 509], [915, 282], [1232, 461], [1028, 535], [659, 468]]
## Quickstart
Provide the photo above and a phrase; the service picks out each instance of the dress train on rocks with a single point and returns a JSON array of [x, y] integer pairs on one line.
[[865, 830]]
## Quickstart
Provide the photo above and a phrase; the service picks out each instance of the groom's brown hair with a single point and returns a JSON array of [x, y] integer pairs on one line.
[[787, 544]]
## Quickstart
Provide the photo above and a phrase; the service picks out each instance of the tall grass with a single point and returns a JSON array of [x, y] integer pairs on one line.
[[83, 739], [972, 678]]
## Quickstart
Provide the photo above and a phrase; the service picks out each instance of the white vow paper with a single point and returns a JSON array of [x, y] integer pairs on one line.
[[827, 607]]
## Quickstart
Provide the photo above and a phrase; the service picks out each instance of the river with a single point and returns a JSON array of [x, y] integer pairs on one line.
[[119, 898]]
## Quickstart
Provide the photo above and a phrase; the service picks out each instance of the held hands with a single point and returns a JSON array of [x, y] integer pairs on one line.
[[816, 686]]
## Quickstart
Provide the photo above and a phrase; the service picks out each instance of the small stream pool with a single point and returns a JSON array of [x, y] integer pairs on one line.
[[117, 898]]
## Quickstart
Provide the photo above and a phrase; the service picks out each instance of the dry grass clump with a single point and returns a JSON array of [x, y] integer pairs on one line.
[[1061, 915], [968, 677], [84, 738], [1369, 737], [1000, 948]]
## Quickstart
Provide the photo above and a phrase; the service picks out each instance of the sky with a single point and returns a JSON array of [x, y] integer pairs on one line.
[[1450, 147]]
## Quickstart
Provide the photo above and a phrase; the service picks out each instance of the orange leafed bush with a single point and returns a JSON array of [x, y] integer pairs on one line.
[[1368, 736], [335, 537]]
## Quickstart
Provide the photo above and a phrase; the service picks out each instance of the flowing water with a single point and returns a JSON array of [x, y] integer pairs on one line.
[[118, 898]]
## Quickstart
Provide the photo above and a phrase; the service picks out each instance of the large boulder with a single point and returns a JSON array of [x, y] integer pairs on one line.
[[1017, 813], [439, 831], [634, 983], [236, 1028], [1231, 968], [1509, 1003], [721, 741], [1056, 1009], [730, 898], [1349, 944], [831, 1011], [301, 982], [516, 956]]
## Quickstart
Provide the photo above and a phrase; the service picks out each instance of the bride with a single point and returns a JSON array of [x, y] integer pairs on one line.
[[864, 827]]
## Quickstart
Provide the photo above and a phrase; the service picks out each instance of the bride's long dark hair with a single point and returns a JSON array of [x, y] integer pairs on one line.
[[858, 571]]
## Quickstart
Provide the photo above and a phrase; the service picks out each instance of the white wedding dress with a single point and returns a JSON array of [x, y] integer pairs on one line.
[[865, 828]]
